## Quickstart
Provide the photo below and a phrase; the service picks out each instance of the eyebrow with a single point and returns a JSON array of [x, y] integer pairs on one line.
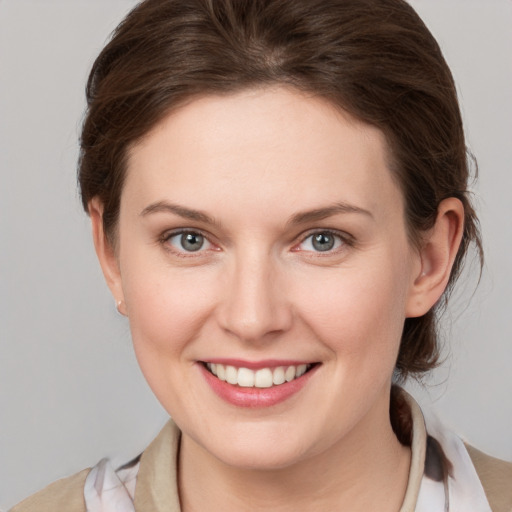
[[324, 213], [299, 218], [176, 209]]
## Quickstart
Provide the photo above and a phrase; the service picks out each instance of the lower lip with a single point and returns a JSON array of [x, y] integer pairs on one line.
[[255, 397]]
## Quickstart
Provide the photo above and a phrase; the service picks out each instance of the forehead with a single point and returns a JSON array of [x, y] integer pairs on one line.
[[265, 145]]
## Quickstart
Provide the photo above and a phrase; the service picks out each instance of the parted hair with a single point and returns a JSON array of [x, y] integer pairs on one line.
[[374, 59]]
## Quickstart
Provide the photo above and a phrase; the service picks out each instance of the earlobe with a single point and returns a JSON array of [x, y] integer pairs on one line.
[[106, 254], [121, 308], [437, 255]]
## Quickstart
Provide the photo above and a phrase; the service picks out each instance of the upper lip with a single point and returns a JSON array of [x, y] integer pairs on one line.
[[256, 365]]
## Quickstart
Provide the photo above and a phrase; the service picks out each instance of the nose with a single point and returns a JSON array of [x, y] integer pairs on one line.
[[254, 306]]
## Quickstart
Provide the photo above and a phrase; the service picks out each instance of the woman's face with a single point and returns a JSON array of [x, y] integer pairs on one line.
[[264, 231]]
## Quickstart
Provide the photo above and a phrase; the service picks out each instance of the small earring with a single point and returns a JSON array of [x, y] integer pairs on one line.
[[119, 303]]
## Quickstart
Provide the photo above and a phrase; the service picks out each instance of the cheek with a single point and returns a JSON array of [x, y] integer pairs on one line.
[[167, 312], [358, 314], [166, 305]]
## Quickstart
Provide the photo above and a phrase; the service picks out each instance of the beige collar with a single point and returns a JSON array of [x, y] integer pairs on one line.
[[157, 480], [418, 450]]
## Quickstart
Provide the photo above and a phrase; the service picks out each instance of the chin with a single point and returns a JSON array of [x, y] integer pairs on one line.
[[260, 459], [263, 449]]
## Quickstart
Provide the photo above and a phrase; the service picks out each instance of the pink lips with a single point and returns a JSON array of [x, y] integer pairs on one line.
[[255, 397]]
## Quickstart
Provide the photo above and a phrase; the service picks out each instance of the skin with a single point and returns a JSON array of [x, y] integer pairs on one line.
[[254, 163]]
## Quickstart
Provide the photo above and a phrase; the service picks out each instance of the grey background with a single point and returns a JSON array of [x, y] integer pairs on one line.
[[70, 389]]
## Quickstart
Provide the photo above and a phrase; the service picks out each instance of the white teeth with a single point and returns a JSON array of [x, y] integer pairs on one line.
[[289, 374], [231, 375], [262, 378], [301, 370], [278, 377], [245, 378], [221, 372]]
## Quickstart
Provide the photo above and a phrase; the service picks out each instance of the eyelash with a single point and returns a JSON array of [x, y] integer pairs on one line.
[[344, 240]]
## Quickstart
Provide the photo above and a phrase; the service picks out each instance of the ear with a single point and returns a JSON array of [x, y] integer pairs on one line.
[[437, 254], [106, 254]]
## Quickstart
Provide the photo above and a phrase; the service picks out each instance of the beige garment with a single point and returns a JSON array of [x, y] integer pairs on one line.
[[496, 478], [157, 491], [63, 495]]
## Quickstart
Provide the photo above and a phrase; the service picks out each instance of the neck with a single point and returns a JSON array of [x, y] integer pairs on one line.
[[367, 470]]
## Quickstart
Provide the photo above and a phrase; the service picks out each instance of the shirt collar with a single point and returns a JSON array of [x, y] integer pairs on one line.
[[157, 480]]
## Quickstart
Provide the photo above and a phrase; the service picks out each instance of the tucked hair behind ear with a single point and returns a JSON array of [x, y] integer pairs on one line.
[[372, 58]]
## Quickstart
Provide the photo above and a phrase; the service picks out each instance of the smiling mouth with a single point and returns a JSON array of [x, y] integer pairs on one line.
[[261, 378]]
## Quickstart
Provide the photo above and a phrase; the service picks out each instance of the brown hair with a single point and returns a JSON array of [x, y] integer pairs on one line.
[[373, 58]]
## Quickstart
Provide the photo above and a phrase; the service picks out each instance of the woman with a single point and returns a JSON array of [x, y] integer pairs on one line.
[[278, 199]]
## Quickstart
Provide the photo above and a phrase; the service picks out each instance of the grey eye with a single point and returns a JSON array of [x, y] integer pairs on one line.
[[323, 241], [191, 241], [188, 241]]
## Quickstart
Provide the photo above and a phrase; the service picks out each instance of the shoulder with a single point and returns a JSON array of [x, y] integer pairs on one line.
[[66, 494], [496, 478]]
